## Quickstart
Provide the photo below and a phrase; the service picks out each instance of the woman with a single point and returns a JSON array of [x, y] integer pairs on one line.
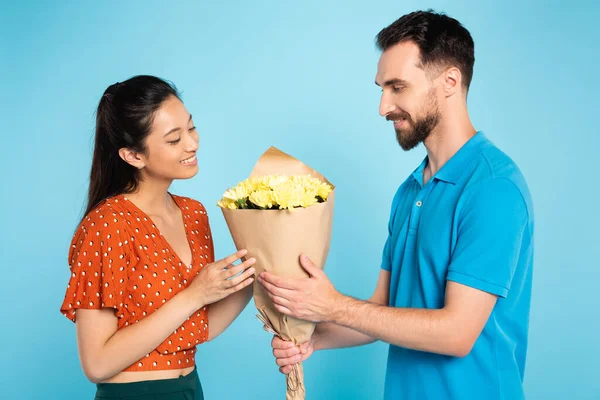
[[144, 287]]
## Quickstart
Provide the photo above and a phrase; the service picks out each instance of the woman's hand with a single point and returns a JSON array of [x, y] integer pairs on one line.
[[218, 280]]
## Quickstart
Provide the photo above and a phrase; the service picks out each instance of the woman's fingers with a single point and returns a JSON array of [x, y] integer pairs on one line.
[[241, 285], [225, 262], [241, 277], [236, 269]]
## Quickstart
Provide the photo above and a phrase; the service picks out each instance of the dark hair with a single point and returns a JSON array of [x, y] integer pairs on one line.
[[442, 40], [123, 120]]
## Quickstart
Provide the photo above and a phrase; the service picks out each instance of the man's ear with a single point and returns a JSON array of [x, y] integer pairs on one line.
[[452, 81]]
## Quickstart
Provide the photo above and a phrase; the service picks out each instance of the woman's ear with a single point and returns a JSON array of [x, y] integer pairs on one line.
[[131, 157]]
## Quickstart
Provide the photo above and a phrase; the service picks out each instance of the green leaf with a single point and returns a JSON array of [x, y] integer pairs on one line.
[[242, 204]]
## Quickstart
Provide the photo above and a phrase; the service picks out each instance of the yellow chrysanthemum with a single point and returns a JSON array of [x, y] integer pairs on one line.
[[272, 181], [308, 199], [276, 191], [287, 195], [227, 203], [262, 198], [323, 190], [238, 192], [253, 184]]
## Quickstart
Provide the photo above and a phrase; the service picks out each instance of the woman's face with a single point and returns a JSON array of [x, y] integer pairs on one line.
[[172, 144]]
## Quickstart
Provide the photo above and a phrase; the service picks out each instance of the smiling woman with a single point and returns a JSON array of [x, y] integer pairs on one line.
[[144, 289]]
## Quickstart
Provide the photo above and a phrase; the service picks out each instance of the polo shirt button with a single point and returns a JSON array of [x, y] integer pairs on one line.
[[419, 203]]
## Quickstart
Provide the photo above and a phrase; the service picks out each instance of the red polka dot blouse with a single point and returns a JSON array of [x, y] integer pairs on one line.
[[120, 260]]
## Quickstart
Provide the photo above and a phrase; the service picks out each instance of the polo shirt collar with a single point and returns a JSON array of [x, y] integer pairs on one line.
[[458, 163]]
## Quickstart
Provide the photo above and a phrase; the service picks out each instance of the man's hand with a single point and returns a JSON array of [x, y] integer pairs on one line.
[[287, 353], [312, 299]]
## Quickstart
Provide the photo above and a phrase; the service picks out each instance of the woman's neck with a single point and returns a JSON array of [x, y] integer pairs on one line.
[[153, 198]]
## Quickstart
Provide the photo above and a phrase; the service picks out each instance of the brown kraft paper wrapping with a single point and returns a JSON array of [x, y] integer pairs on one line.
[[276, 238]]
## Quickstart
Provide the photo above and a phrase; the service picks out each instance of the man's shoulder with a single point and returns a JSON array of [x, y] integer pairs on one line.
[[493, 164], [496, 170]]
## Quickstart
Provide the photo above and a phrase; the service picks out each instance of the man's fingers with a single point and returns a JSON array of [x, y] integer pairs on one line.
[[286, 353], [285, 370], [282, 362], [275, 290], [281, 301], [284, 283], [309, 266], [283, 310], [279, 343], [304, 347]]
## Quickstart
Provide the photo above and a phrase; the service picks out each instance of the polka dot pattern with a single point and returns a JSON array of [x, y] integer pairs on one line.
[[120, 260]]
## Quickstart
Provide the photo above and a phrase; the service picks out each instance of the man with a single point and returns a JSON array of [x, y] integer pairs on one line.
[[454, 288]]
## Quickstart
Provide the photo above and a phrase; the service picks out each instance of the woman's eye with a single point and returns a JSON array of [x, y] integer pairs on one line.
[[193, 128], [174, 141]]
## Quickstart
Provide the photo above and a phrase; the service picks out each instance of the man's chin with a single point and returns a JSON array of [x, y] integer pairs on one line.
[[406, 143]]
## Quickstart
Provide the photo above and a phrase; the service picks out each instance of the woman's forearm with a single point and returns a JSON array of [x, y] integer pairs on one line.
[[222, 313], [104, 353]]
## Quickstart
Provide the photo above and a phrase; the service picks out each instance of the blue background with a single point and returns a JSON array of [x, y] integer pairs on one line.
[[297, 75]]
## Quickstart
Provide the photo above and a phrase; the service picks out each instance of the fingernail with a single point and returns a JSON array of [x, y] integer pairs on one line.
[[303, 257], [251, 271]]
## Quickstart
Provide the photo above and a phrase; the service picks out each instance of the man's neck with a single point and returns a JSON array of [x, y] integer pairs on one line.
[[445, 140]]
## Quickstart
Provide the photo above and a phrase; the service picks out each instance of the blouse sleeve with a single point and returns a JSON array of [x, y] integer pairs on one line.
[[98, 260]]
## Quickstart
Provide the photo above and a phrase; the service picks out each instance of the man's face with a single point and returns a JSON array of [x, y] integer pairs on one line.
[[409, 96]]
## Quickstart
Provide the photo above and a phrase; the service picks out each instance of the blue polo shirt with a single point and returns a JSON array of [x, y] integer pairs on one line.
[[472, 223]]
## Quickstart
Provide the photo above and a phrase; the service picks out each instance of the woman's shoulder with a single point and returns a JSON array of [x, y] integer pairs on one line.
[[190, 204], [108, 216], [102, 231]]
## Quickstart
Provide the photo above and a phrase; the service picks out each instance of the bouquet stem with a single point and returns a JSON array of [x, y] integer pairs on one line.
[[295, 379]]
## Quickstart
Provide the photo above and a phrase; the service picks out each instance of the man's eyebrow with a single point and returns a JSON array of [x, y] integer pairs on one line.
[[395, 81]]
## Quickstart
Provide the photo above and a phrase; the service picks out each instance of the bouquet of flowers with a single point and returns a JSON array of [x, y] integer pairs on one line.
[[276, 192], [283, 209]]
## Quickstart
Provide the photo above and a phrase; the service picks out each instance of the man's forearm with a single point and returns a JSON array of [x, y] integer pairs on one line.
[[332, 336], [431, 330]]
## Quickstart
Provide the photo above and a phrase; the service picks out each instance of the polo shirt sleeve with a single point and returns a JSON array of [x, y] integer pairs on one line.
[[492, 220], [386, 258]]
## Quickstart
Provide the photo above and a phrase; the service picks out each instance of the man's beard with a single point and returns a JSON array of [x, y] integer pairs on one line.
[[417, 131]]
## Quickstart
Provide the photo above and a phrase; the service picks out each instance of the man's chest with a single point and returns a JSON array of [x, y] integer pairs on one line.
[[425, 223]]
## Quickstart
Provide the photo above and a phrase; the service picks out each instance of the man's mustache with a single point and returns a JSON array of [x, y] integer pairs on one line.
[[398, 116]]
